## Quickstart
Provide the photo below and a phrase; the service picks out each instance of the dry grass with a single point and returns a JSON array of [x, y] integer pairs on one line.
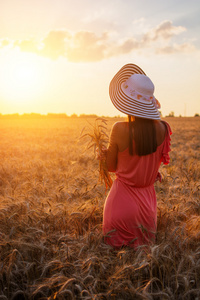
[[51, 206]]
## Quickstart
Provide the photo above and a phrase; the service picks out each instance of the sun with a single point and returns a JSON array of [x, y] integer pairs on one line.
[[24, 74], [22, 79]]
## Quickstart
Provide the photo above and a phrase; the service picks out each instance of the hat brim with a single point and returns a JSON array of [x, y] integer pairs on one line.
[[124, 103]]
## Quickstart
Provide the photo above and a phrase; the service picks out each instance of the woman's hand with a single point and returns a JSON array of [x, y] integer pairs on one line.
[[101, 153], [158, 177]]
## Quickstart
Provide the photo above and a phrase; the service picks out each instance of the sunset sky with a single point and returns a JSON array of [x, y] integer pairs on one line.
[[58, 56]]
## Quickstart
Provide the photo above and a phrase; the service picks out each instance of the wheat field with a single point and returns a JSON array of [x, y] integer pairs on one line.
[[51, 206]]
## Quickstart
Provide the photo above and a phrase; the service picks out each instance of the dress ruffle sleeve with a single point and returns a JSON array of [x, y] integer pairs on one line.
[[166, 149]]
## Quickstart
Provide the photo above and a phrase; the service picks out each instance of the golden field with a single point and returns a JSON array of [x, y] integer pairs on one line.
[[51, 206]]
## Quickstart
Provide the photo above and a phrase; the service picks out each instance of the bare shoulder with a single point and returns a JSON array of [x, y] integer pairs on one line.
[[120, 126], [119, 135], [120, 129], [160, 131]]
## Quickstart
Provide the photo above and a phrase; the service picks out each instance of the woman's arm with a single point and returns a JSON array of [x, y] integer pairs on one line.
[[112, 151]]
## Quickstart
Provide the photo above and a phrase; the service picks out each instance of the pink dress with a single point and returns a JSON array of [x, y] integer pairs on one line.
[[130, 210]]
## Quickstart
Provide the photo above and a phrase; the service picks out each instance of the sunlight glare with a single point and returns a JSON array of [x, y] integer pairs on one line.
[[23, 78]]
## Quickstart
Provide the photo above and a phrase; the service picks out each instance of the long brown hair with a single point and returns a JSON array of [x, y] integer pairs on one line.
[[144, 136]]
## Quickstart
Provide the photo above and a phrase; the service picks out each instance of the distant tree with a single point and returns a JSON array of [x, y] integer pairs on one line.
[[171, 114], [11, 116], [54, 115], [74, 116], [196, 115], [61, 115], [31, 115], [88, 116]]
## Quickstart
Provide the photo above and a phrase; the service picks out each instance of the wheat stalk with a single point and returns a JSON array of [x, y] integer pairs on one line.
[[98, 140]]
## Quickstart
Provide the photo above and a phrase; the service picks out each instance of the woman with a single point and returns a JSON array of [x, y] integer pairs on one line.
[[136, 150]]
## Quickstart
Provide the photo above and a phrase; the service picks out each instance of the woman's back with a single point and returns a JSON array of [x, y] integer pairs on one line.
[[131, 203], [122, 134], [139, 171], [119, 141]]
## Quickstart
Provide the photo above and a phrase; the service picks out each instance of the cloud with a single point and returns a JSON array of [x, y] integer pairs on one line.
[[88, 46], [175, 48], [164, 30], [125, 47], [5, 42], [28, 45], [54, 45]]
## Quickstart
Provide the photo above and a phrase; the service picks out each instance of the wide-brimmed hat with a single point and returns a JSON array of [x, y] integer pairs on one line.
[[132, 92]]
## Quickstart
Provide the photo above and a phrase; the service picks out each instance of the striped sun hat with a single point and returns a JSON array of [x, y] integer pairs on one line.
[[131, 92]]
